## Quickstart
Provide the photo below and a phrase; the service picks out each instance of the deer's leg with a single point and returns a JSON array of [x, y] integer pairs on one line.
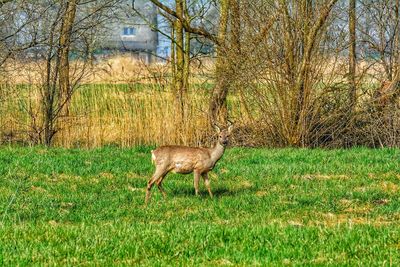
[[157, 174], [159, 185], [207, 183], [196, 182]]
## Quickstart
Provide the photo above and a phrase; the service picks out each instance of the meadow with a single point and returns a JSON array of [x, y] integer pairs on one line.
[[271, 207]]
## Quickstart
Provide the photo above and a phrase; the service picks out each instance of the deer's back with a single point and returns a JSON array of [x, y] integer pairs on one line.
[[181, 159]]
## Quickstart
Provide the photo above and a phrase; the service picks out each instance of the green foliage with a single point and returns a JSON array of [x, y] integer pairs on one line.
[[271, 207]]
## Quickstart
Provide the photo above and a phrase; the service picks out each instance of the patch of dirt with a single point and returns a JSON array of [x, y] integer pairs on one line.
[[351, 206], [133, 189], [295, 223], [261, 193], [245, 184], [323, 177], [389, 187], [381, 201], [363, 209], [38, 189], [223, 262], [332, 220], [133, 175], [345, 202], [106, 175], [67, 177]]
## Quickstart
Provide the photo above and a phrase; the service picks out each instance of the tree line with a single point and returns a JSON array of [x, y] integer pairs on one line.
[[308, 73], [319, 73]]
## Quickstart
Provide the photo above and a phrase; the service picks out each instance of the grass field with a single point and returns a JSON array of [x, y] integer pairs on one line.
[[274, 207]]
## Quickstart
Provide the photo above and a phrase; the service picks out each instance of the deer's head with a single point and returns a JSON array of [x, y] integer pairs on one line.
[[224, 133]]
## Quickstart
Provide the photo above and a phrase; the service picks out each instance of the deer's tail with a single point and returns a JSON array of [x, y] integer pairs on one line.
[[153, 157]]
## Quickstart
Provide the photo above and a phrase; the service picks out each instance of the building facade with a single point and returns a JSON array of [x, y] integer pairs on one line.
[[133, 33]]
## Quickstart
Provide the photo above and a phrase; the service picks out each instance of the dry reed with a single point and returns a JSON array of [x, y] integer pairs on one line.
[[122, 102]]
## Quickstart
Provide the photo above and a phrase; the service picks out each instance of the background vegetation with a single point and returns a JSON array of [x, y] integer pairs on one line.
[[289, 73]]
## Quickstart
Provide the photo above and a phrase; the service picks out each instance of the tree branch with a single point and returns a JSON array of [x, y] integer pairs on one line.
[[2, 2], [186, 24]]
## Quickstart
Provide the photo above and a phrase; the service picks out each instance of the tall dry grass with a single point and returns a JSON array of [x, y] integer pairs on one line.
[[126, 103], [119, 114], [121, 102], [109, 114]]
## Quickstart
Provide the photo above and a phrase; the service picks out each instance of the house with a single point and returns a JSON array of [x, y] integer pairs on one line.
[[136, 33], [141, 30]]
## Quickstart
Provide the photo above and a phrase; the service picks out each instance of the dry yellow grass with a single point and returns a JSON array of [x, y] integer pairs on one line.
[[121, 101], [116, 69], [113, 114]]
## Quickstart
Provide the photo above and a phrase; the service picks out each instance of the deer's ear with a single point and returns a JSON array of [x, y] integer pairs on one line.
[[217, 128], [230, 128]]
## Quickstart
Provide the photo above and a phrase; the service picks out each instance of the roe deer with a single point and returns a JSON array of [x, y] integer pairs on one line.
[[185, 160]]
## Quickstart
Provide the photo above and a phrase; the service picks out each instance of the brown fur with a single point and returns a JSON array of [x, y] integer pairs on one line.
[[185, 160]]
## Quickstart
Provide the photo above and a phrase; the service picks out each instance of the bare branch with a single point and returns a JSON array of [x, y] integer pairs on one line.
[[185, 23]]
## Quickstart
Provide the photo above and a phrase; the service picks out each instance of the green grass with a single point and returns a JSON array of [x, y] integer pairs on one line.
[[271, 207]]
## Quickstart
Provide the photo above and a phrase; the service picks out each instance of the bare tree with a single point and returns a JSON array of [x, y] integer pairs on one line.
[[181, 23], [219, 94], [16, 35], [225, 66], [352, 54], [63, 26], [378, 34]]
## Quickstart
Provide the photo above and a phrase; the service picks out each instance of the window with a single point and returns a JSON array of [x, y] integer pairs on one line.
[[129, 31]]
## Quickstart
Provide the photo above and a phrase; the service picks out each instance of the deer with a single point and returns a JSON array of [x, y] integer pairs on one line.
[[185, 160]]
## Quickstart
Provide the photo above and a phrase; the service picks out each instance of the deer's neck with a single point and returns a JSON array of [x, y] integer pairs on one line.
[[216, 152]]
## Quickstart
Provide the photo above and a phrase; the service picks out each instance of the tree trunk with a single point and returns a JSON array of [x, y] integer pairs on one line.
[[218, 106], [396, 42], [352, 55], [180, 60], [49, 90], [173, 65], [48, 96], [186, 72], [64, 48], [235, 26], [303, 86]]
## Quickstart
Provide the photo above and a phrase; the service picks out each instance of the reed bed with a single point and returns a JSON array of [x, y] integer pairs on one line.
[[121, 101], [113, 114], [131, 115]]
